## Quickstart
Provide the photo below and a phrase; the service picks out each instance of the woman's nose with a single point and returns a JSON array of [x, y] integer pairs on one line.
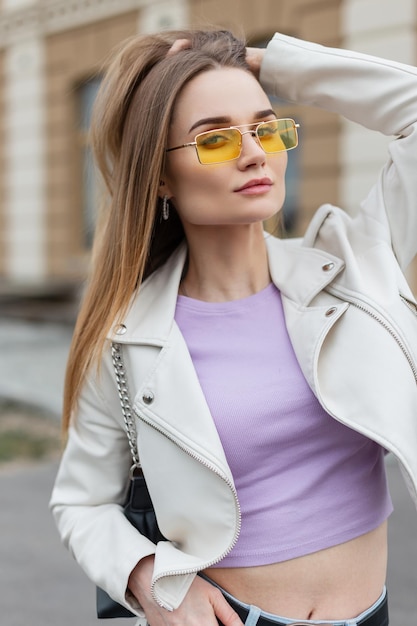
[[251, 150]]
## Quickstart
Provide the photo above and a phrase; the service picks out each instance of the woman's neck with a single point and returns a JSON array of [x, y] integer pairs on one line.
[[226, 264]]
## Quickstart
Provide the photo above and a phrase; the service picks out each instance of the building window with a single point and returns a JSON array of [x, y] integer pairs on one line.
[[90, 180]]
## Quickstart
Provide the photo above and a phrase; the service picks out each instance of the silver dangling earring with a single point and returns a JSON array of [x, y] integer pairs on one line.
[[165, 208]]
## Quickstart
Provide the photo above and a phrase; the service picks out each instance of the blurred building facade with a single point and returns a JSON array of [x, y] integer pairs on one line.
[[51, 56]]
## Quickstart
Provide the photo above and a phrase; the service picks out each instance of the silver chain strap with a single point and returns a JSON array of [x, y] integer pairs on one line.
[[122, 387]]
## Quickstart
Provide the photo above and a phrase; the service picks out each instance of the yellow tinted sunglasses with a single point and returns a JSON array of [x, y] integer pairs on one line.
[[225, 144]]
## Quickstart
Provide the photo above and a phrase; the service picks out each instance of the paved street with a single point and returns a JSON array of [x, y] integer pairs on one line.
[[40, 584], [32, 363], [402, 568]]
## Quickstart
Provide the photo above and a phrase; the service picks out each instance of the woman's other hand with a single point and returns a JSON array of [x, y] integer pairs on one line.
[[254, 58], [203, 605], [178, 46]]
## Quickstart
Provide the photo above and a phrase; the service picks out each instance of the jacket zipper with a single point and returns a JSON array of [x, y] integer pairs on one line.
[[410, 305], [359, 304], [228, 482]]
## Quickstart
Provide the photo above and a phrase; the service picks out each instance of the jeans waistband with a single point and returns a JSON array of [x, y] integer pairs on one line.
[[377, 615]]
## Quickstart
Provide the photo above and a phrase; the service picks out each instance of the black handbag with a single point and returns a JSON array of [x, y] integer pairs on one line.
[[138, 508]]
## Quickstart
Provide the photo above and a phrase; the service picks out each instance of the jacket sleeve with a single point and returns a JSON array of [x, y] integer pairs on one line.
[[376, 93], [90, 489]]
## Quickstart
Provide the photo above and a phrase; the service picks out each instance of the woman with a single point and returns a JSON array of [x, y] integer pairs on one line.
[[268, 377]]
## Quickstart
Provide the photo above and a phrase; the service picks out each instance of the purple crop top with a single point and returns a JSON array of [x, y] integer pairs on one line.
[[305, 482]]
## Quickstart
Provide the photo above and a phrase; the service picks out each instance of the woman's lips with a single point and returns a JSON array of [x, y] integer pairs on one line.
[[255, 186]]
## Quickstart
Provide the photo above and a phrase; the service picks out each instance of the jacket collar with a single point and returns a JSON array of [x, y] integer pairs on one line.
[[299, 272]]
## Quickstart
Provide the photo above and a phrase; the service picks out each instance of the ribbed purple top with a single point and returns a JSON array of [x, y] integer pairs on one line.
[[305, 482]]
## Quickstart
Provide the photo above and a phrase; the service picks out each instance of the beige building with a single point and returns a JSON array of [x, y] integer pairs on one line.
[[51, 56]]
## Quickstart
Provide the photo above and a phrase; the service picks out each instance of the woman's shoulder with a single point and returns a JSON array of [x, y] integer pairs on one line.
[[152, 306]]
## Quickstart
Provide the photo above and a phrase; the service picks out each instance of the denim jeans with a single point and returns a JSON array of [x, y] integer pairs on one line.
[[255, 614]]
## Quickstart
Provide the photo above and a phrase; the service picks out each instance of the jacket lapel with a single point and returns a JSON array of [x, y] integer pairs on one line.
[[300, 273]]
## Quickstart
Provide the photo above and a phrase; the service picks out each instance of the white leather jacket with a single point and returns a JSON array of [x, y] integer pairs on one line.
[[351, 317]]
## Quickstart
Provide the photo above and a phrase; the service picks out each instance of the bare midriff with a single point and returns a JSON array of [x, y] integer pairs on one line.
[[333, 584]]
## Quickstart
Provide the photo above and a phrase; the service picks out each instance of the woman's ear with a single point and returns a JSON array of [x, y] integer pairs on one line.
[[164, 189], [161, 189]]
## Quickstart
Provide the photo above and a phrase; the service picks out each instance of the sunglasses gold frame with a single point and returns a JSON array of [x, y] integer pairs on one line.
[[253, 132]]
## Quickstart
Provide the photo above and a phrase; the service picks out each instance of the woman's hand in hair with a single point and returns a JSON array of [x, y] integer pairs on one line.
[[178, 45], [254, 58], [203, 605]]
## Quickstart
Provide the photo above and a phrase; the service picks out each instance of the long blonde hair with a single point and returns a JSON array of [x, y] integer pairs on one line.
[[131, 119]]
